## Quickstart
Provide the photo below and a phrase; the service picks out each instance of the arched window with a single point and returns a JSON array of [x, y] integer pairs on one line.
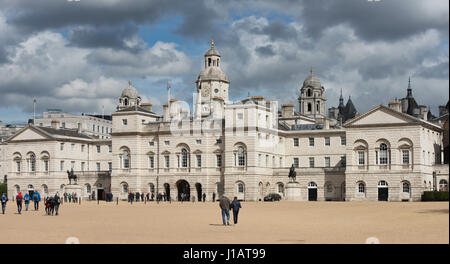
[[209, 62], [317, 107], [124, 187], [32, 163], [241, 156], [312, 185], [382, 184], [280, 188], [405, 187], [308, 92], [240, 188], [383, 154], [125, 101], [309, 107], [184, 158], [88, 189], [125, 159], [443, 185], [361, 187], [217, 62]]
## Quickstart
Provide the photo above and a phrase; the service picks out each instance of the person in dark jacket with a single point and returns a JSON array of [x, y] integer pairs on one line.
[[204, 197], [4, 200], [214, 197], [235, 205], [225, 204], [19, 199], [57, 202], [36, 199]]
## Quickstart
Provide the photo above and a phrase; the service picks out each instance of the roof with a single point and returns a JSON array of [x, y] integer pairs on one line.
[[212, 52], [135, 108], [63, 132], [312, 81], [213, 73]]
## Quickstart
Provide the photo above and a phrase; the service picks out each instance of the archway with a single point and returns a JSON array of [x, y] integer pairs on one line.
[[198, 186], [383, 191], [183, 188], [312, 191], [167, 190]]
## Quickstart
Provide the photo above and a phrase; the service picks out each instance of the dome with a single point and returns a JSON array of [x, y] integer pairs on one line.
[[130, 92], [312, 81], [213, 73], [212, 52]]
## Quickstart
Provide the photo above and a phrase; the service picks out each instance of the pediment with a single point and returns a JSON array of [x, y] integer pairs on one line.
[[29, 133], [381, 115]]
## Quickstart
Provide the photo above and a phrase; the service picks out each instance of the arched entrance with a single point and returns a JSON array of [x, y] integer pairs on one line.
[[312, 191], [198, 186], [167, 190], [383, 191], [343, 191], [183, 187]]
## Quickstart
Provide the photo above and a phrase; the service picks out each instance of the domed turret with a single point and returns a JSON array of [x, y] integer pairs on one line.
[[312, 97], [129, 97]]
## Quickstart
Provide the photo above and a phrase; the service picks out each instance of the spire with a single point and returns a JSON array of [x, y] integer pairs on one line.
[[212, 43], [409, 90], [311, 70], [341, 100], [130, 83]]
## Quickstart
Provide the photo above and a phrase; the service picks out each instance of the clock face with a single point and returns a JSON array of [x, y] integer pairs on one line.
[[205, 91]]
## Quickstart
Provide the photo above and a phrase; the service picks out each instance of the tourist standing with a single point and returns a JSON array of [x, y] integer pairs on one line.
[[19, 202], [65, 197], [70, 197], [36, 200], [26, 200], [214, 197], [4, 200], [204, 197], [57, 202], [235, 205], [225, 204]]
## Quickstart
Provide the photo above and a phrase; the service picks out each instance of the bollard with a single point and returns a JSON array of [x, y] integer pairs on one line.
[[79, 200], [117, 201], [98, 201]]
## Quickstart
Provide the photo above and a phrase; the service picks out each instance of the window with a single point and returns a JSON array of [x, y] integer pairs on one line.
[[406, 187], [110, 148], [218, 141], [166, 161], [110, 166], [61, 146], [329, 188], [311, 141], [32, 163], [383, 154], [219, 161], [295, 142], [327, 141], [259, 160], [82, 166], [72, 147], [124, 122], [18, 166], [125, 159], [198, 141], [280, 188], [151, 162], [361, 158], [241, 156], [327, 162], [199, 161], [166, 142], [361, 188], [125, 188], [311, 162], [343, 161], [46, 165], [98, 128], [281, 162], [93, 128], [103, 130], [61, 165], [309, 107], [151, 144], [82, 148], [443, 185], [240, 116], [63, 125], [343, 140], [405, 156], [184, 158], [240, 188], [98, 166], [296, 163]]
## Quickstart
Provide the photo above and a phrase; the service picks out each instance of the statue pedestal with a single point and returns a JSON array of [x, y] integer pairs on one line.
[[72, 188], [293, 191]]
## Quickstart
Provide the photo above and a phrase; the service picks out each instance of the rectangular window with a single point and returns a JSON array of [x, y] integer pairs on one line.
[[63, 125], [281, 162], [151, 144], [361, 158], [405, 156], [311, 162], [46, 165], [327, 141], [61, 165], [240, 116], [82, 166], [259, 159], [199, 161], [98, 166], [327, 162], [166, 161], [311, 141], [93, 128], [151, 162], [98, 128], [103, 130], [110, 148], [98, 149], [18, 166], [72, 147], [124, 122], [219, 161], [198, 141], [343, 161], [82, 148], [166, 143], [296, 163], [110, 166], [295, 142], [61, 146], [218, 141], [343, 140]]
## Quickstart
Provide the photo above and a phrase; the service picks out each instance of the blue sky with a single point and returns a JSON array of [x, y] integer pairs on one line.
[[78, 56]]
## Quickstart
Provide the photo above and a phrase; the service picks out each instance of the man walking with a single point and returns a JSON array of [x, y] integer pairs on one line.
[[26, 200], [214, 197], [235, 205], [4, 199], [19, 202], [57, 202], [36, 199], [224, 204]]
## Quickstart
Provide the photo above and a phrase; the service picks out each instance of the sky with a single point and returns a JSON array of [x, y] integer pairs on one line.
[[79, 55]]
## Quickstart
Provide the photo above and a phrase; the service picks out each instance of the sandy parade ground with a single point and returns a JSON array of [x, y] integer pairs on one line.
[[259, 222]]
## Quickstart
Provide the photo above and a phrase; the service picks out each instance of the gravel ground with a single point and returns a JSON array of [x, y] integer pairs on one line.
[[259, 222]]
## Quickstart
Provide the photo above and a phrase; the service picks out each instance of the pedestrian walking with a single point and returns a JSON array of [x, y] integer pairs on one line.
[[204, 197], [19, 199], [65, 197], [70, 197], [224, 204], [4, 200], [26, 200], [235, 205], [36, 199], [214, 197]]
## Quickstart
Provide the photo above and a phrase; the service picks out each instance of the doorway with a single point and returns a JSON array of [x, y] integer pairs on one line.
[[100, 194], [312, 191], [383, 191], [183, 188], [198, 186]]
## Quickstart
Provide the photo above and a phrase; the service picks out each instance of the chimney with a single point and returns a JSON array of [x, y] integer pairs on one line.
[[287, 110], [55, 123], [165, 112], [396, 105], [147, 106], [258, 99], [425, 114], [326, 124]]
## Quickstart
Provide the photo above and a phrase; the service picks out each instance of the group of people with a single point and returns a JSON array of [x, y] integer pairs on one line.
[[136, 197], [51, 203], [71, 197]]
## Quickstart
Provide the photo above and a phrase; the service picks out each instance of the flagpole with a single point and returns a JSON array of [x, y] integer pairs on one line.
[[34, 110]]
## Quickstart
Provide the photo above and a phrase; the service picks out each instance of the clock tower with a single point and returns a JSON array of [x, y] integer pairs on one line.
[[212, 82]]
